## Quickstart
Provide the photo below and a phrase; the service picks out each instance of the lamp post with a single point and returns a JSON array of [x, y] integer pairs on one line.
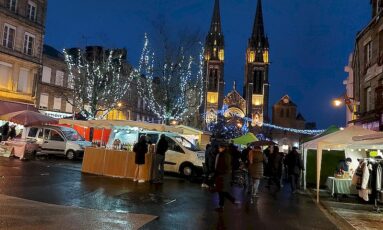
[[350, 102]]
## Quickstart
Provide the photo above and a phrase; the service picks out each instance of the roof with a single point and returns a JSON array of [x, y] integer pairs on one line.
[[286, 101], [300, 117], [52, 52]]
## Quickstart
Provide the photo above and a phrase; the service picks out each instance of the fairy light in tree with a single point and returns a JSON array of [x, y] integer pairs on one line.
[[171, 86], [99, 83]]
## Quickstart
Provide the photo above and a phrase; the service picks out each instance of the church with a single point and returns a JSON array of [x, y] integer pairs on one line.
[[254, 101]]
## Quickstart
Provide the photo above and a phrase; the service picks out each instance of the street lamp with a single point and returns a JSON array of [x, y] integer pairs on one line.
[[350, 102]]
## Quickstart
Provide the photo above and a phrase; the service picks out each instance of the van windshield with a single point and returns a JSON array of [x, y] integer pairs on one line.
[[187, 144], [72, 135]]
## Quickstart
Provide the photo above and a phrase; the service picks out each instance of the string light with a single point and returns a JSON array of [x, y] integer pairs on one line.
[[98, 84], [174, 90]]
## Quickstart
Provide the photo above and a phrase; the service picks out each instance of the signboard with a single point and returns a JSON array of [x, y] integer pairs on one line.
[[56, 115]]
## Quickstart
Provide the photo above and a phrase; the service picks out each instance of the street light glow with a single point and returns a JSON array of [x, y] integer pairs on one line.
[[337, 102]]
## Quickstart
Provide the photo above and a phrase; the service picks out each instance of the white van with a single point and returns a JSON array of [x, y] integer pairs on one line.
[[58, 140], [181, 157]]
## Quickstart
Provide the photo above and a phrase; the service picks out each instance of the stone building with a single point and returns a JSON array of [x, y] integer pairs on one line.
[[367, 67], [22, 24], [254, 101], [285, 114], [54, 86]]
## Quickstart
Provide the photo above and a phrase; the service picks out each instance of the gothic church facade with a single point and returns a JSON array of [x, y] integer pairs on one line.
[[254, 101]]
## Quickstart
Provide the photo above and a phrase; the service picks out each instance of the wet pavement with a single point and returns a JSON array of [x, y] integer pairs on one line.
[[179, 204]]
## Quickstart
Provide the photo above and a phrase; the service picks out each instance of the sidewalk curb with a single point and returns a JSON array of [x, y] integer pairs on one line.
[[336, 219]]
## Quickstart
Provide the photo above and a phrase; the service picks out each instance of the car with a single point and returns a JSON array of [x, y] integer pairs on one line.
[[182, 156], [58, 140]]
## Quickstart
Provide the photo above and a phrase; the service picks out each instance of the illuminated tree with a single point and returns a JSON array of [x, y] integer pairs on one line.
[[171, 82], [99, 78]]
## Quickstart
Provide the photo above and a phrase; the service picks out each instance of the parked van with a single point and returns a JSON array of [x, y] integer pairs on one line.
[[58, 140], [181, 157]]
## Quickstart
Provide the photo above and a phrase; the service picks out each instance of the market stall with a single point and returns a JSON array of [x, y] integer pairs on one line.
[[115, 163], [342, 140], [19, 146]]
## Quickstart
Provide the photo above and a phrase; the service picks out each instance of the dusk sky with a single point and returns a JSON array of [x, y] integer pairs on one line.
[[310, 40]]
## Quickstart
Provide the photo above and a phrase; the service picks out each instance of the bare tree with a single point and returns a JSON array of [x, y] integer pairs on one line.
[[100, 79]]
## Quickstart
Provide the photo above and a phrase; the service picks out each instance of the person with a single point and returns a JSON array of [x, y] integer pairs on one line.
[[205, 179], [267, 167], [294, 166], [209, 166], [5, 131], [223, 176], [275, 167], [235, 156], [140, 149], [162, 147], [344, 165], [256, 161], [12, 132]]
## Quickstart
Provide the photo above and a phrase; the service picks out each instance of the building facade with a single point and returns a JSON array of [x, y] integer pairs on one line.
[[368, 72], [55, 89], [255, 99], [22, 25], [285, 114]]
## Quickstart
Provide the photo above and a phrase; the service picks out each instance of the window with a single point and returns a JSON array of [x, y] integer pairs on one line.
[[69, 107], [369, 105], [47, 73], [368, 53], [174, 146], [32, 132], [46, 133], [55, 136], [31, 10], [44, 98], [29, 41], [57, 103], [282, 113], [12, 5], [41, 134], [59, 78], [5, 74], [9, 36], [24, 83], [138, 117], [287, 113]]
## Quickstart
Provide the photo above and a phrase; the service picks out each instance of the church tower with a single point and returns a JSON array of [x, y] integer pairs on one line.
[[256, 85], [214, 68]]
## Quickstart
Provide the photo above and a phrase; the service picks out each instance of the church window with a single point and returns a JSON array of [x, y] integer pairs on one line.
[[221, 55], [258, 82], [215, 42], [287, 113], [215, 52], [252, 56], [281, 113], [266, 56]]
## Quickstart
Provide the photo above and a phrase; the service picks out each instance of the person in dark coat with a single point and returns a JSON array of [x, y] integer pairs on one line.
[[12, 132], [223, 176], [162, 147], [275, 167], [209, 166], [235, 156], [294, 167], [5, 131], [140, 149]]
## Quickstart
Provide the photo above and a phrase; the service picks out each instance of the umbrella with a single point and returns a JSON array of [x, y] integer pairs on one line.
[[28, 118], [263, 143], [245, 139]]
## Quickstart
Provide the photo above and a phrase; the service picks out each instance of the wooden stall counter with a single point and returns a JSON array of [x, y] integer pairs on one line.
[[115, 163]]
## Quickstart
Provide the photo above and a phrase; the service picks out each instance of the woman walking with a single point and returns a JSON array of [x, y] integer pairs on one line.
[[256, 160], [140, 148]]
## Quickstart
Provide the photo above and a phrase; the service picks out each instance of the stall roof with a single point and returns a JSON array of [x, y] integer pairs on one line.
[[109, 124], [10, 107], [189, 130], [340, 139]]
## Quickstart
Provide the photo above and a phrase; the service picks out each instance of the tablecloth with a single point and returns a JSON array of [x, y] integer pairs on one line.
[[340, 186]]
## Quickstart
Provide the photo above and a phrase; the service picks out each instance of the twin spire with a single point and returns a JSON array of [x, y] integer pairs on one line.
[[258, 38]]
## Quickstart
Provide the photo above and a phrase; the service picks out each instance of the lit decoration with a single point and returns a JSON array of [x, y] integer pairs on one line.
[[172, 86], [99, 83]]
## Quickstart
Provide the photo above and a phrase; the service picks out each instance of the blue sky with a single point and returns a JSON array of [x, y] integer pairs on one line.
[[310, 40]]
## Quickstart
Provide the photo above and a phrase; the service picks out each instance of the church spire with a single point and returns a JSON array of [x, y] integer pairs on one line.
[[215, 26], [258, 37]]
